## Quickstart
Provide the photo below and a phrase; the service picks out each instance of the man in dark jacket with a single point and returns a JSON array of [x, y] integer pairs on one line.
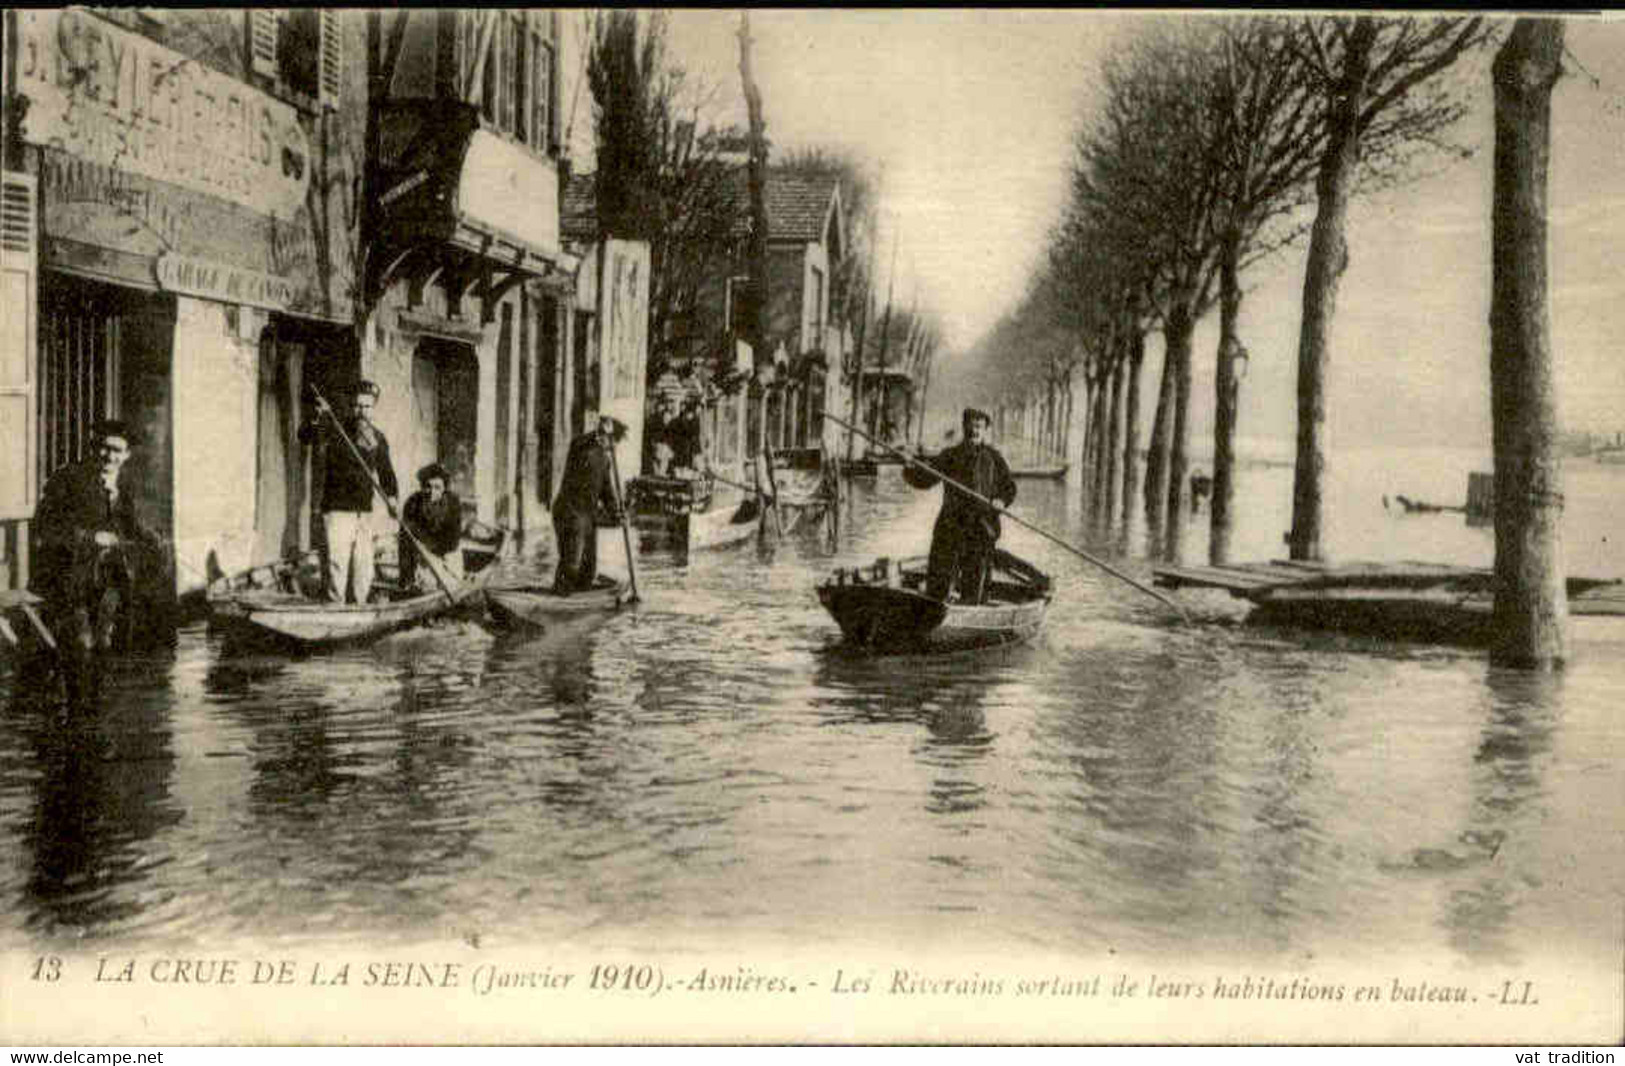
[[347, 491], [435, 517], [967, 530], [89, 545], [587, 482]]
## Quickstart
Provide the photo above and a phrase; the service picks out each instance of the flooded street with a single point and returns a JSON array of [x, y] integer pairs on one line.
[[707, 770]]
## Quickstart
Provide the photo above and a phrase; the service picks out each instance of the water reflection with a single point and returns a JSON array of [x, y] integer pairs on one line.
[[101, 797], [945, 696], [1520, 717]]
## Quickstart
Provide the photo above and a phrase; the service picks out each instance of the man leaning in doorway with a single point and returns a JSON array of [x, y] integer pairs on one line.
[[85, 529], [347, 492]]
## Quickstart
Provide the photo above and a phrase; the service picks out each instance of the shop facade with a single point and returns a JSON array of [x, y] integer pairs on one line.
[[180, 254]]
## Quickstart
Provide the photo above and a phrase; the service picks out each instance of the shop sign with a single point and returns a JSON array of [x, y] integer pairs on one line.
[[626, 332], [223, 282], [112, 97], [504, 187]]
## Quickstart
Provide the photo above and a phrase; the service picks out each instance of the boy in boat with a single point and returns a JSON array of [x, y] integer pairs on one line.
[[89, 545], [347, 491], [967, 530], [587, 483], [434, 515]]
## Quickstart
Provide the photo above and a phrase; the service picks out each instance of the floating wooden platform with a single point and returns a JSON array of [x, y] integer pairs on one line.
[[1430, 601]]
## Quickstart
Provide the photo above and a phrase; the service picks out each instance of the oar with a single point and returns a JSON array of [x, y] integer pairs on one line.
[[626, 521], [429, 558], [1085, 556]]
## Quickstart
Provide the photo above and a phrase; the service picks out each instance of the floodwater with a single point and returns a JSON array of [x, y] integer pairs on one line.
[[707, 770]]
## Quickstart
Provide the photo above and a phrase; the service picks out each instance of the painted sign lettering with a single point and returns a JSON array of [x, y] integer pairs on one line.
[[112, 97], [221, 281]]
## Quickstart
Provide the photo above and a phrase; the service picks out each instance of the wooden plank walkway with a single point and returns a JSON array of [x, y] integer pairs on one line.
[[1419, 582], [19, 616]]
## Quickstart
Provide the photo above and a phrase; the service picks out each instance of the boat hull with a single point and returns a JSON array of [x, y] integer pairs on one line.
[[880, 615], [265, 605], [535, 607], [296, 620]]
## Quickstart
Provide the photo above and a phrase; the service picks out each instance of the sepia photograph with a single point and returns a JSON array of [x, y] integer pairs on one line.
[[812, 526]]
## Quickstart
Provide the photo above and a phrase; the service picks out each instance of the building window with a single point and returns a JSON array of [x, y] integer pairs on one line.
[[815, 332], [300, 49], [517, 89], [735, 296]]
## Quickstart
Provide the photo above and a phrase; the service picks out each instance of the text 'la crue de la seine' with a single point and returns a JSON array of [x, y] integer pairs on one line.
[[639, 978]]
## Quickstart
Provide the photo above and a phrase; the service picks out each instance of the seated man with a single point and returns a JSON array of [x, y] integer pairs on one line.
[[434, 515], [88, 546], [967, 530]]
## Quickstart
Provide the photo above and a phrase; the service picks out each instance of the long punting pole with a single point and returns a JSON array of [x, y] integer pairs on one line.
[[429, 558], [1085, 556]]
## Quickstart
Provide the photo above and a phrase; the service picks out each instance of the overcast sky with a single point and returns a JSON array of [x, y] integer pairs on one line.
[[972, 114]]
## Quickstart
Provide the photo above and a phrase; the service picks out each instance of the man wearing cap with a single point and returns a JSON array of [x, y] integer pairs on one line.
[[434, 516], [587, 483], [967, 530], [84, 529], [347, 491]]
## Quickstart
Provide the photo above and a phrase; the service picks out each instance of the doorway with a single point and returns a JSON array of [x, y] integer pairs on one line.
[[105, 352], [445, 408]]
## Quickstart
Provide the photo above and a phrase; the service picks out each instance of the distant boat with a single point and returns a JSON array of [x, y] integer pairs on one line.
[[882, 609], [1422, 507], [685, 513], [1051, 472]]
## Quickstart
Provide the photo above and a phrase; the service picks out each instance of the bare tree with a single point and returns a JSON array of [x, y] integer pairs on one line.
[[1149, 161], [1384, 100], [1269, 121]]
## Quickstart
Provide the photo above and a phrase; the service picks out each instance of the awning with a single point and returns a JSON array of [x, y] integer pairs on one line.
[[459, 205]]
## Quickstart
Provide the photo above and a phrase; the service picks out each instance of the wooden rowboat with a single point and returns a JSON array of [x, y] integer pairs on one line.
[[268, 603], [882, 609], [537, 607]]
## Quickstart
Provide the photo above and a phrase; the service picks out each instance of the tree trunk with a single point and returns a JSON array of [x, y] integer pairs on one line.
[[1097, 493], [1066, 417], [1225, 386], [1131, 432], [1328, 258], [1156, 460], [1086, 462], [1114, 433], [1531, 606], [1180, 327]]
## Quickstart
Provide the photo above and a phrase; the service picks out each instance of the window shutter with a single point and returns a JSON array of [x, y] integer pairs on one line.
[[262, 34], [552, 93], [19, 333], [332, 67]]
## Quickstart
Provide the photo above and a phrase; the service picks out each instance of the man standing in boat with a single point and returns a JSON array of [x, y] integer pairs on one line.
[[967, 530], [347, 492], [434, 515], [89, 544], [588, 482]]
